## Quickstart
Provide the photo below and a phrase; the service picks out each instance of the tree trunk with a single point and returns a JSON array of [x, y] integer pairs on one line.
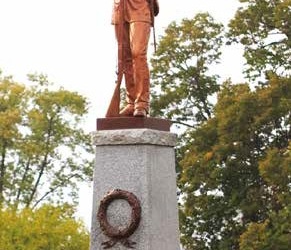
[[2, 172]]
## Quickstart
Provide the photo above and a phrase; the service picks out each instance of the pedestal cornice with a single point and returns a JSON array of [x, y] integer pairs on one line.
[[133, 137]]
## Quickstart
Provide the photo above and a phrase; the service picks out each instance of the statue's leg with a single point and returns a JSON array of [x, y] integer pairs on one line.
[[139, 38], [128, 70]]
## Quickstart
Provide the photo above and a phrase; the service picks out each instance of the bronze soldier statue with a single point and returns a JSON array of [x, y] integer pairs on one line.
[[136, 16]]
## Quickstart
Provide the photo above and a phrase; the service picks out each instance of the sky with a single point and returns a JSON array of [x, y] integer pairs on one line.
[[72, 41]]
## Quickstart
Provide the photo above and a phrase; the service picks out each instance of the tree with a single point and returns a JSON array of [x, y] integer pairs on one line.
[[234, 159], [182, 82], [12, 98], [275, 232], [47, 227], [263, 27], [236, 172], [272, 234], [44, 151]]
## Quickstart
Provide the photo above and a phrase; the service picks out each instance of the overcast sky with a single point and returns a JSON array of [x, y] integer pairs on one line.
[[73, 42]]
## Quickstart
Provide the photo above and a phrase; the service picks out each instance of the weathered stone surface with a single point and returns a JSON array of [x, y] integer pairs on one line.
[[145, 167], [133, 136]]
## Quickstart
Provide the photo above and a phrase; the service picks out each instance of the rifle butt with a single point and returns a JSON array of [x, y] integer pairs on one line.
[[113, 109]]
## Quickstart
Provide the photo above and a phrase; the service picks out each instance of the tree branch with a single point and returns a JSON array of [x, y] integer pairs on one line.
[[2, 171], [43, 164], [22, 182], [53, 190], [273, 43], [182, 123]]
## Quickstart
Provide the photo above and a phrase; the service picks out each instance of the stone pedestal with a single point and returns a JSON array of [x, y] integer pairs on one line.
[[140, 161]]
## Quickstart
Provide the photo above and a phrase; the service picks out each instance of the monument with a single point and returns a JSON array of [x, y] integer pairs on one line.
[[134, 190]]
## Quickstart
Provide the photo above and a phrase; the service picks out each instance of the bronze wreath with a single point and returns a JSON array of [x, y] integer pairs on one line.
[[113, 233]]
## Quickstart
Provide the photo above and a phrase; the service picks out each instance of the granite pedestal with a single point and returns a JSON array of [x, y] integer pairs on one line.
[[141, 161]]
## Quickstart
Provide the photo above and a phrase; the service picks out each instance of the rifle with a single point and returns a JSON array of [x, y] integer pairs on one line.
[[154, 6], [113, 109]]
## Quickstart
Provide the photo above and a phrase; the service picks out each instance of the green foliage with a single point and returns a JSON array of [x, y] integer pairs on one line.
[[236, 172], [181, 79], [46, 228], [234, 160], [273, 234], [12, 97], [43, 150], [263, 27]]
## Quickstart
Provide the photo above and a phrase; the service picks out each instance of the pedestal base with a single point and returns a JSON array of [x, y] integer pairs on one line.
[[140, 161]]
